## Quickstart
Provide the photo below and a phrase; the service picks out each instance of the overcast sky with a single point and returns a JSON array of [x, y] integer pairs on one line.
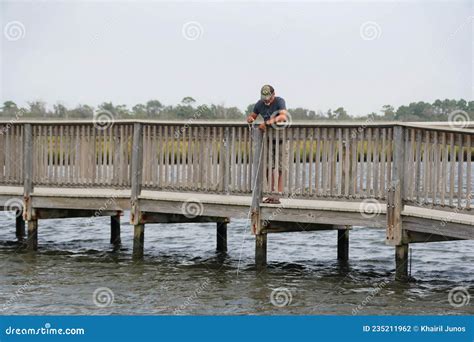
[[317, 55]]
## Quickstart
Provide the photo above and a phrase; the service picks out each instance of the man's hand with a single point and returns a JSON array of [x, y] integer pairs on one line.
[[250, 118], [262, 126]]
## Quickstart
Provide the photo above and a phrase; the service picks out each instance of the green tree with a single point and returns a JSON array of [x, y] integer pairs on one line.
[[81, 112], [188, 100], [388, 112], [341, 114], [153, 108], [139, 111], [9, 109], [60, 110]]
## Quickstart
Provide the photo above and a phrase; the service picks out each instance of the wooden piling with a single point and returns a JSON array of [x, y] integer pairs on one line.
[[138, 240], [115, 230], [261, 250], [20, 226], [343, 244], [32, 242], [222, 236], [401, 262]]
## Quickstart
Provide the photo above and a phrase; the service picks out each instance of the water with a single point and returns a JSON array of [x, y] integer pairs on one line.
[[182, 274]]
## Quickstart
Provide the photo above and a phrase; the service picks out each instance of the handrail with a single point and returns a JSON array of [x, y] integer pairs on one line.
[[436, 125]]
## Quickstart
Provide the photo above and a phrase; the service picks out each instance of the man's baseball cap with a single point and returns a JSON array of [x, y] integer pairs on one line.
[[266, 92]]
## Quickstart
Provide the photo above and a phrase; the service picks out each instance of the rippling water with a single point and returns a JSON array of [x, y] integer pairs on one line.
[[182, 273]]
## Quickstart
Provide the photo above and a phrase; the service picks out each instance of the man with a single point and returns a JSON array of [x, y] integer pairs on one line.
[[273, 110]]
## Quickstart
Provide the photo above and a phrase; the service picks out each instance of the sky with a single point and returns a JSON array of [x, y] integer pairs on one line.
[[317, 55]]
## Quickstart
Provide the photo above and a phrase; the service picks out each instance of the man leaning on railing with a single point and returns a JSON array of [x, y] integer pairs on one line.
[[273, 110]]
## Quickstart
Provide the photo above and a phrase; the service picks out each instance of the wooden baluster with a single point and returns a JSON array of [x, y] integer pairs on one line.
[[468, 172], [311, 158], [452, 162], [460, 170]]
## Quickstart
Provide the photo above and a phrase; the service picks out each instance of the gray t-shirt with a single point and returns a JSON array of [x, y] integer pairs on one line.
[[267, 111]]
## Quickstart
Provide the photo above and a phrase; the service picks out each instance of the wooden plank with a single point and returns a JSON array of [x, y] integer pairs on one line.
[[376, 175], [239, 160], [347, 162], [444, 152], [362, 190], [324, 162], [353, 179], [435, 179], [291, 160], [269, 156], [332, 161], [339, 164], [418, 156], [426, 166], [452, 162], [276, 171], [383, 185], [226, 158], [468, 172], [311, 161], [304, 163], [233, 167], [221, 146], [459, 196]]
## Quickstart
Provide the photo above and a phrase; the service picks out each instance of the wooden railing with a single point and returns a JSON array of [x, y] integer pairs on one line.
[[349, 161], [437, 167]]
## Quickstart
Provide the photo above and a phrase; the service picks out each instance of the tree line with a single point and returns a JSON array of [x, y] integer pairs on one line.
[[439, 110]]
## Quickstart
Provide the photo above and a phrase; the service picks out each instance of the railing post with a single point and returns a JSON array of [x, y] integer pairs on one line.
[[257, 194], [394, 234], [28, 215], [136, 181], [27, 170], [136, 172]]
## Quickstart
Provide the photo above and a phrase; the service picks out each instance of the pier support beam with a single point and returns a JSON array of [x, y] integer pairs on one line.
[[20, 226], [222, 236], [401, 262], [32, 241], [115, 230], [343, 244], [138, 240], [261, 250]]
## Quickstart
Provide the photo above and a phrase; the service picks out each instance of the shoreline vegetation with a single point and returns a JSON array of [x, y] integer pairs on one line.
[[439, 110]]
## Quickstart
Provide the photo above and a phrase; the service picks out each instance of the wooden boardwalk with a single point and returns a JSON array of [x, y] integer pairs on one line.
[[413, 180]]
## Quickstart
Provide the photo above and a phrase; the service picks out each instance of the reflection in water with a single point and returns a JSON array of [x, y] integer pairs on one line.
[[182, 273]]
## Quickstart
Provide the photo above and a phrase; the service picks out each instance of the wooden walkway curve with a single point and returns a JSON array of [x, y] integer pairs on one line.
[[413, 179]]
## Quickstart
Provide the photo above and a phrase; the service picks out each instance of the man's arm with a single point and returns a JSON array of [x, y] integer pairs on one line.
[[252, 117], [277, 118]]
